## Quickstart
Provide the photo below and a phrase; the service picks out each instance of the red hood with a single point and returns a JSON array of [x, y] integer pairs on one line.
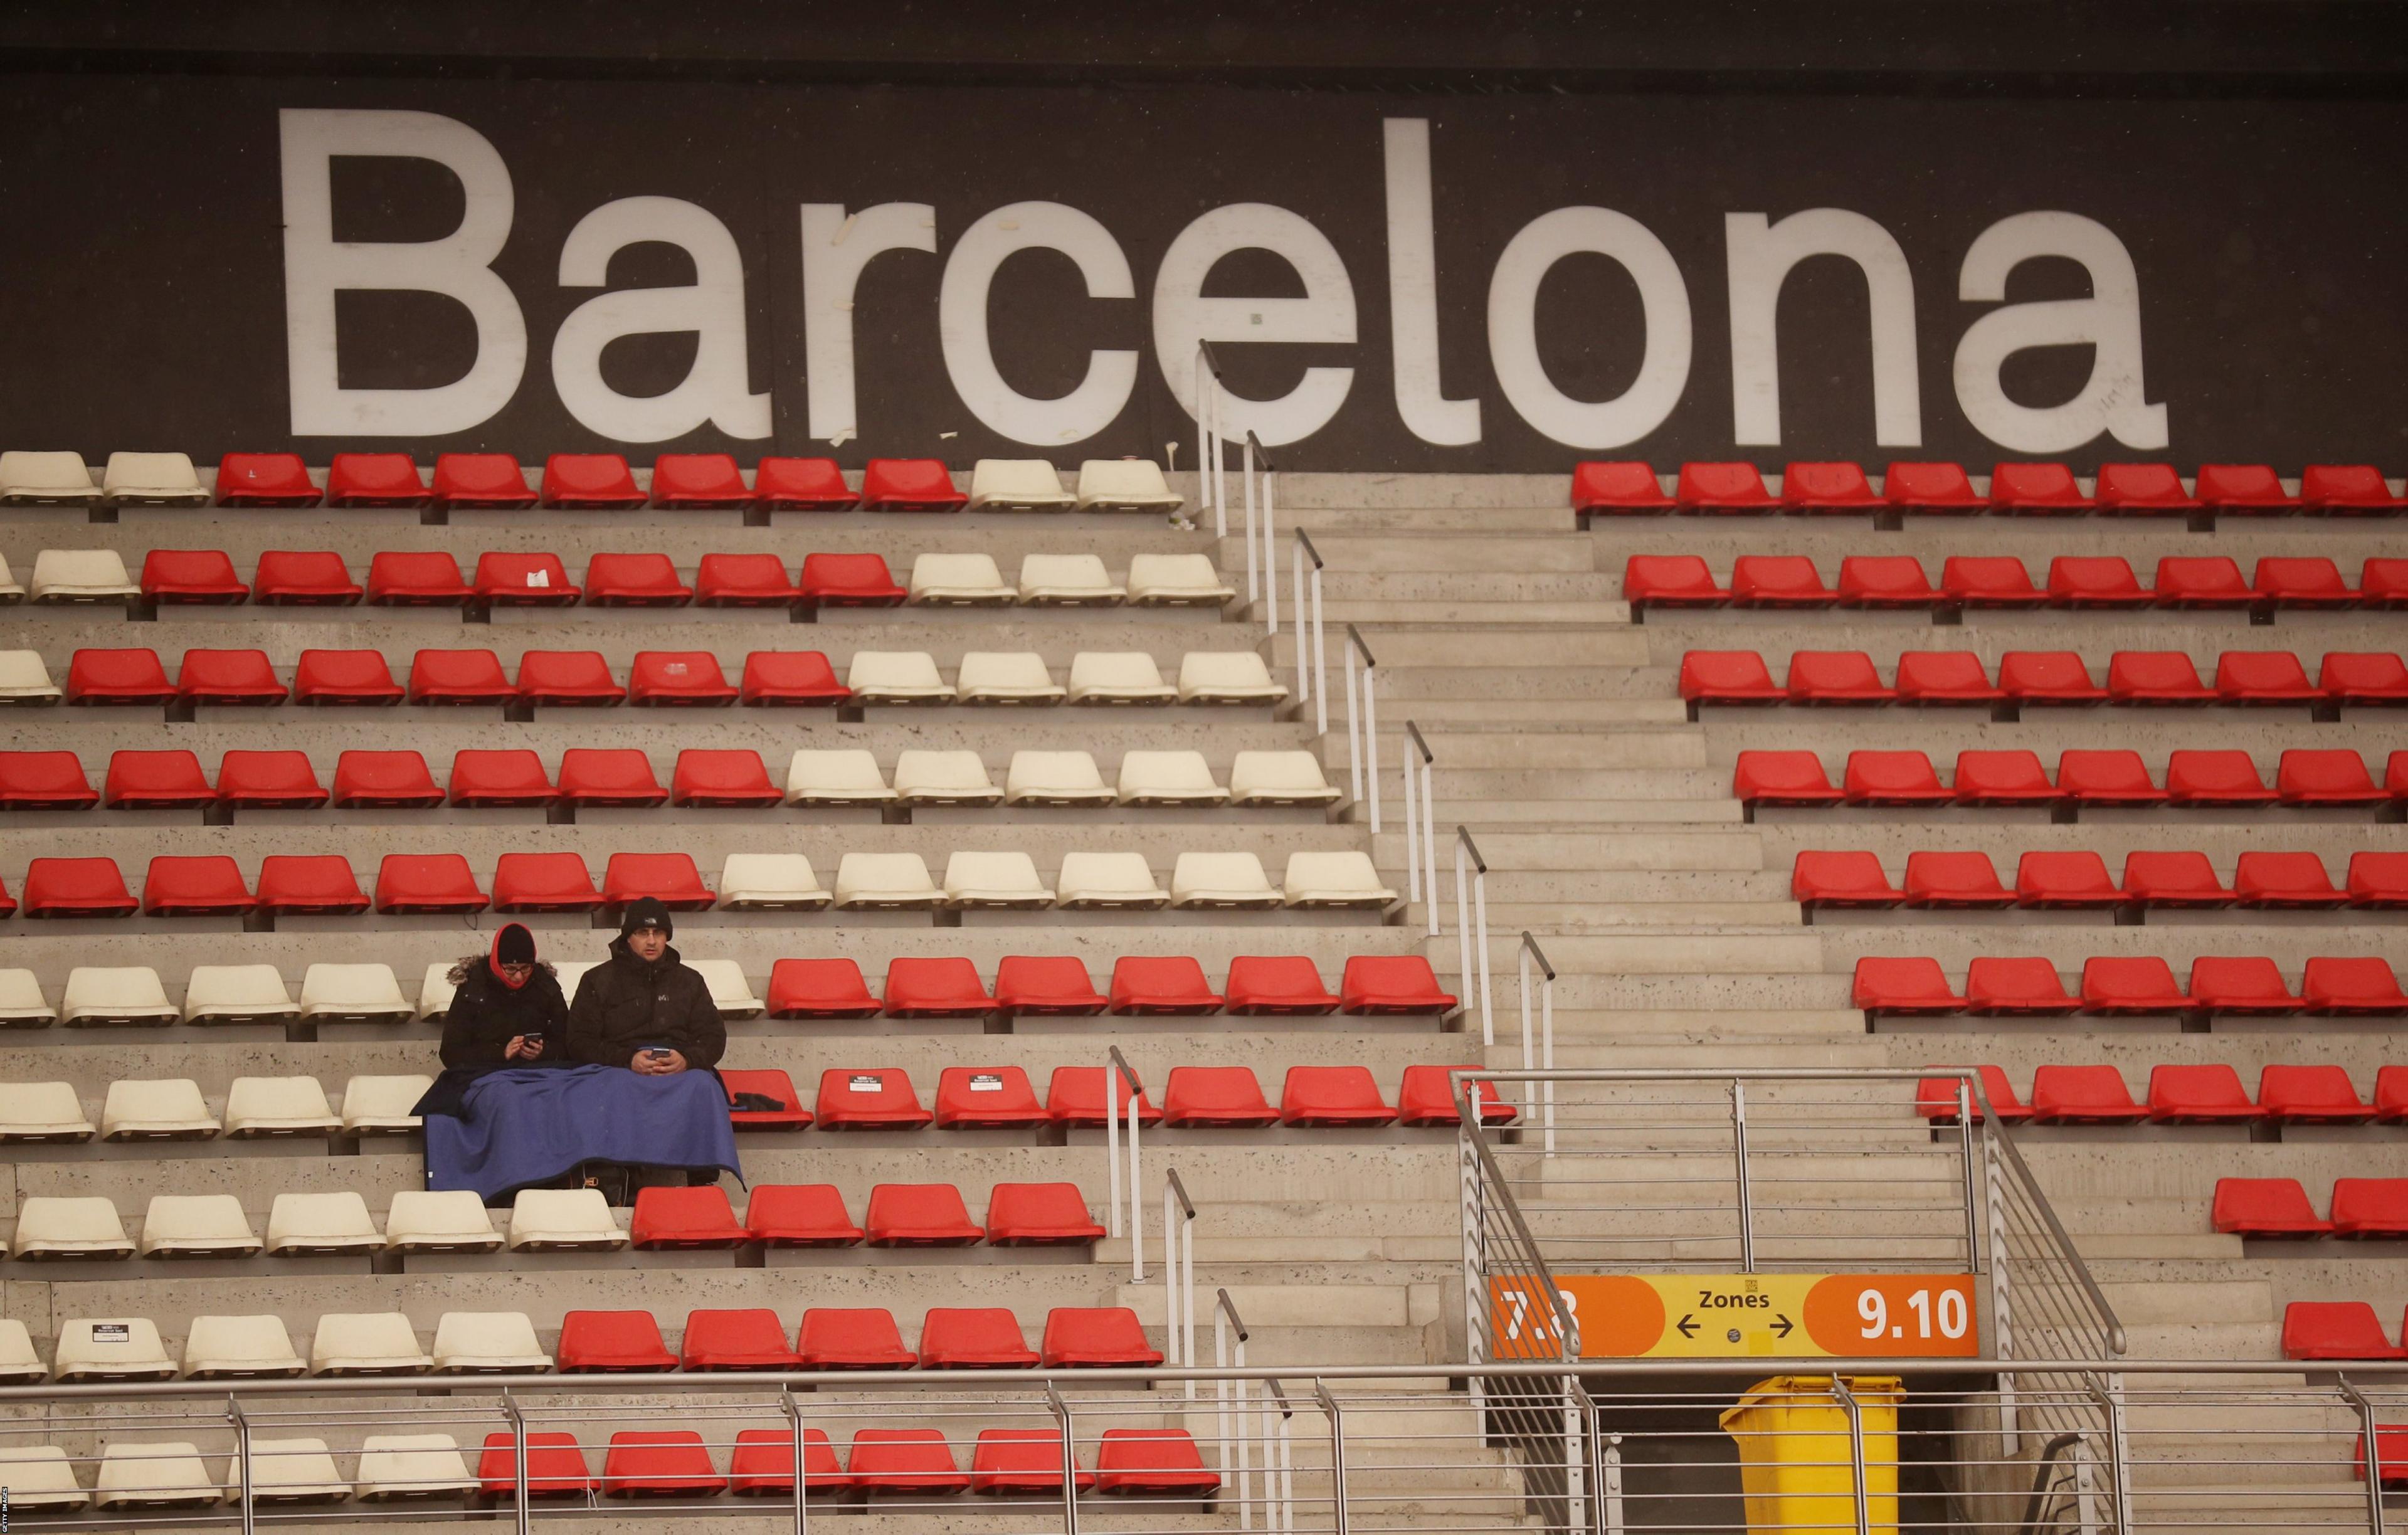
[[493, 956]]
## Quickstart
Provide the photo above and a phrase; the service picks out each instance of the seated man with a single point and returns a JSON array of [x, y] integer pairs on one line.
[[643, 1009]]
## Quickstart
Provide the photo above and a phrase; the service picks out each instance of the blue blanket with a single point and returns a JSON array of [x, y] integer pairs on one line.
[[516, 1128]]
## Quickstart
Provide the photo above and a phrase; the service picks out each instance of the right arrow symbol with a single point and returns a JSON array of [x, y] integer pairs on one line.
[[1686, 1326], [1782, 1326]]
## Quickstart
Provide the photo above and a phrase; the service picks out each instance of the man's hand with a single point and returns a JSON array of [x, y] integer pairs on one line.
[[645, 1063], [519, 1049]]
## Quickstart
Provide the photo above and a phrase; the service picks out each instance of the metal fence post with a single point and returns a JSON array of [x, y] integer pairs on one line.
[[521, 1515], [1738, 1161], [1848, 1404], [242, 1468], [2111, 1398], [794, 1411], [2371, 1456], [1336, 1455], [1246, 480], [1069, 1460]]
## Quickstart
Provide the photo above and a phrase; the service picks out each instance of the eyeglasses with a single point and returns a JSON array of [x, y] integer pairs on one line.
[[520, 971]]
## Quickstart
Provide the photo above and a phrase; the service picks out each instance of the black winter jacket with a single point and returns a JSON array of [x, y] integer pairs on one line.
[[487, 1014], [627, 1003]]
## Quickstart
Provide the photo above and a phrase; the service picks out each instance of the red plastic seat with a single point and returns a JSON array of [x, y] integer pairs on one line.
[[698, 481], [791, 678], [8, 902], [1943, 677], [1826, 488], [1851, 879], [2371, 1208], [317, 885], [611, 1342], [1836, 677], [555, 1463], [2358, 676], [50, 780], [2003, 778], [1384, 986], [1778, 581], [2082, 1095], [543, 882], [480, 480], [1933, 489], [1147, 985], [1215, 1098], [739, 581], [2132, 985], [459, 676], [621, 776], [589, 482], [1942, 1099], [2378, 881], [191, 576], [659, 1463], [2207, 1094], [800, 1215], [1331, 1096], [229, 677], [427, 882], [769, 1083], [265, 480], [1046, 987], [1885, 580], [722, 777], [76, 887], [1021, 1460], [1276, 985], [2302, 582], [1728, 677], [2241, 985], [156, 781], [2112, 778], [974, 1338], [802, 484], [677, 679], [384, 780], [1903, 986], [2383, 582], [819, 988], [507, 776], [2215, 778], [987, 1098], [751, 1337], [1617, 489], [1075, 1098], [1153, 1463], [1988, 581], [2247, 490], [2335, 1330], [2066, 881], [943, 987], [331, 678], [2264, 677], [852, 1337], [2327, 777], [850, 580], [2048, 677], [639, 580], [2285, 881], [2180, 879], [568, 679], [1038, 1215], [375, 480], [686, 1219], [1722, 489], [525, 580], [2155, 676], [2004, 986], [2347, 490], [2036, 490], [1424, 1098], [1095, 1338], [303, 579], [2201, 581], [668, 877], [2266, 1208], [207, 886], [1782, 777], [1893, 778], [421, 578], [2095, 580], [870, 1098], [118, 677], [2312, 1094], [908, 1462], [917, 1214], [909, 484], [1670, 580], [1955, 882], [2143, 490]]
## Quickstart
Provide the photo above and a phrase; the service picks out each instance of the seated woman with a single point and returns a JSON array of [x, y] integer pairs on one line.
[[507, 1009]]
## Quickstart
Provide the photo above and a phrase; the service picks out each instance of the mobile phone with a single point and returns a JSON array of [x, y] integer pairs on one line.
[[658, 1050], [534, 1037]]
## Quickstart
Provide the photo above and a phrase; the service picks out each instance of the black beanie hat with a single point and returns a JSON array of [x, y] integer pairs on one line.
[[647, 912], [514, 945]]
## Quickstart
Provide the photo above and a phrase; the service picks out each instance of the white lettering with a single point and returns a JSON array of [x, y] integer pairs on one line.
[[2114, 399], [1761, 258], [1182, 316], [1413, 293], [1514, 328], [969, 354], [836, 247]]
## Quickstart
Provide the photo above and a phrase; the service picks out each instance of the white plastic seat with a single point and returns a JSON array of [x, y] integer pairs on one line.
[[381, 1105], [11, 590], [167, 1108], [959, 581], [314, 1224], [240, 1347], [1108, 882], [840, 776], [352, 993], [568, 972], [1123, 485], [366, 1343], [50, 1226], [295, 1470], [563, 1219], [435, 992], [19, 1364], [1176, 581], [1006, 881], [1017, 484], [23, 679], [110, 1348], [41, 1111], [1168, 778], [1232, 880], [1054, 777], [944, 777], [1333, 879], [272, 1106], [1226, 677], [22, 1002], [236, 994], [1005, 677], [896, 882], [469, 1341], [729, 991], [1067, 580], [98, 994], [40, 1478], [1118, 677], [82, 575], [192, 1226], [158, 1474], [398, 1466], [450, 1220], [769, 882], [161, 479], [896, 677], [1279, 777], [57, 477]]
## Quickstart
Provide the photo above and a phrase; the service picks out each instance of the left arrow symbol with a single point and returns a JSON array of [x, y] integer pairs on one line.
[[1686, 1326]]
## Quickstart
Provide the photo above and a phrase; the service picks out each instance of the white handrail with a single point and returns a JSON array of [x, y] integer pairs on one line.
[[1177, 1275], [1115, 1071], [1246, 481], [1312, 682], [1474, 925], [1210, 490], [1362, 725], [1421, 830], [1547, 1052]]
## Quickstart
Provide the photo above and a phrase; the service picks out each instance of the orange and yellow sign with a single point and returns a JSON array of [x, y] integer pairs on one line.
[[1710, 1316]]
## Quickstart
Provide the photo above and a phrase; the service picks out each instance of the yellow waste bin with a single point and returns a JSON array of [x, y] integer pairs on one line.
[[1794, 1461]]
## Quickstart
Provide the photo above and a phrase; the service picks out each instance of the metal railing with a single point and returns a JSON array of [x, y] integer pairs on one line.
[[1421, 825], [1311, 671], [1178, 1273], [1117, 1077], [1212, 491], [1472, 927], [1256, 479], [1362, 723], [1544, 1060]]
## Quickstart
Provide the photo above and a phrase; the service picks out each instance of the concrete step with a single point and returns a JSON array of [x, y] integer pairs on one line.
[[1392, 611], [1568, 814], [1449, 645], [1391, 549], [1735, 849], [1509, 752], [1591, 916]]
